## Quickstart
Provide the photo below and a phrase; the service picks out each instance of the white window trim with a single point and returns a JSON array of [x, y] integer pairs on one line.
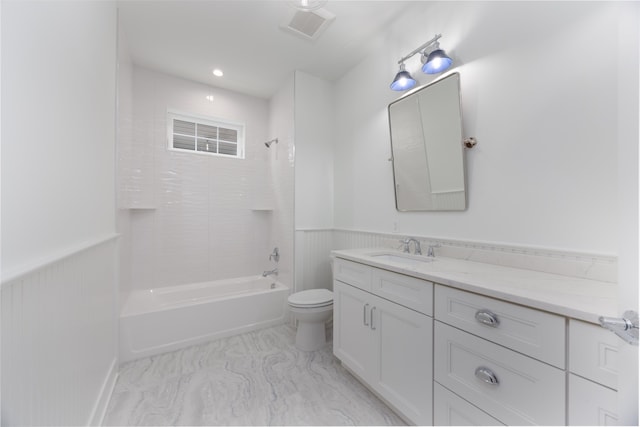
[[205, 120]]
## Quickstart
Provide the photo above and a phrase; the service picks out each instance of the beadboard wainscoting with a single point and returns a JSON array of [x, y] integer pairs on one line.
[[312, 263], [313, 247], [59, 337]]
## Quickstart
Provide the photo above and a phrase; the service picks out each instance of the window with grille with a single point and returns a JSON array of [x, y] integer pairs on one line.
[[205, 135]]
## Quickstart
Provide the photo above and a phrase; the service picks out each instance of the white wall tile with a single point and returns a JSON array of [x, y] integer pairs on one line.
[[202, 226]]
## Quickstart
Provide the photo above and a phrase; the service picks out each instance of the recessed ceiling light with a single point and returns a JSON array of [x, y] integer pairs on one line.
[[218, 72], [210, 98]]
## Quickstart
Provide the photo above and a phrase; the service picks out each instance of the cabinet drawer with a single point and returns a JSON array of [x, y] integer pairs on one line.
[[410, 292], [591, 404], [535, 333], [352, 273], [593, 353], [525, 391], [449, 409]]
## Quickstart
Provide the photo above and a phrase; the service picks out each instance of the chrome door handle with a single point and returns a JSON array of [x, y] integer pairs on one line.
[[488, 318], [625, 327], [372, 327], [364, 314], [486, 375]]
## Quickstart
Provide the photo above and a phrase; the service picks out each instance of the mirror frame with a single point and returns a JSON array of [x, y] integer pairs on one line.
[[464, 169]]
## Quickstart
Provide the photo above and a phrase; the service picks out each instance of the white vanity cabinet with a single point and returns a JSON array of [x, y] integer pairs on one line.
[[473, 350], [593, 354], [483, 352], [386, 344]]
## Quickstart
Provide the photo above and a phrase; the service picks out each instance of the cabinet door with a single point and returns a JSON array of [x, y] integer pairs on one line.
[[593, 353], [405, 359], [354, 342], [591, 404]]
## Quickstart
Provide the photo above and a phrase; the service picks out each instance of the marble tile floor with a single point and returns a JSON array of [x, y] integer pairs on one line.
[[257, 378]]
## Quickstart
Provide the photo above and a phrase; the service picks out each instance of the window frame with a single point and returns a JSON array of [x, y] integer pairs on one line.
[[207, 121]]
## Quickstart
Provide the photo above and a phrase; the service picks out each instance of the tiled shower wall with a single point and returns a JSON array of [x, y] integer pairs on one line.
[[196, 217]]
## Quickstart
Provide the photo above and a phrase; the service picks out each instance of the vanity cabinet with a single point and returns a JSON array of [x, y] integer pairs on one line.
[[441, 355], [386, 344]]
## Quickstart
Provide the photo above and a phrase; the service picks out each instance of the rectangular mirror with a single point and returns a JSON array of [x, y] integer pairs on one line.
[[426, 148]]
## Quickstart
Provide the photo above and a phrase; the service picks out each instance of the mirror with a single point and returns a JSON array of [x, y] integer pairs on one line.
[[426, 148]]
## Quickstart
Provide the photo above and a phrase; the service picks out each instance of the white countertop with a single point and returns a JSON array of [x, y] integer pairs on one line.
[[567, 296]]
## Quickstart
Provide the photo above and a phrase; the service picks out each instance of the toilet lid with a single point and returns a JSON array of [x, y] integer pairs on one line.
[[311, 297]]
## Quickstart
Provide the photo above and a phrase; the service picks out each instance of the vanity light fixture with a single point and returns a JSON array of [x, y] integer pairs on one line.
[[403, 80], [433, 58]]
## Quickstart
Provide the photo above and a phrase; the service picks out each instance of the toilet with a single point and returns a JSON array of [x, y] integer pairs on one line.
[[312, 309]]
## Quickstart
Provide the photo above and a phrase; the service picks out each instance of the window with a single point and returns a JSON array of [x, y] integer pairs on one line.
[[205, 135]]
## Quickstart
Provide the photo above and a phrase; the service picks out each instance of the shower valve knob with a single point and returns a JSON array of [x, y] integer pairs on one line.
[[275, 255]]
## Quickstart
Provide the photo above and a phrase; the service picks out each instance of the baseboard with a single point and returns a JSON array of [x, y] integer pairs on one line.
[[102, 402]]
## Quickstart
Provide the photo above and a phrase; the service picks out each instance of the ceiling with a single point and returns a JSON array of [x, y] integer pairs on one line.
[[243, 38]]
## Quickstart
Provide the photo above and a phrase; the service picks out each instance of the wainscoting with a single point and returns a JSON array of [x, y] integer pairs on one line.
[[59, 337]]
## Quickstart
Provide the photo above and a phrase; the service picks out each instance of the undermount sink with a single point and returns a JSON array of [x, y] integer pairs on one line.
[[402, 258]]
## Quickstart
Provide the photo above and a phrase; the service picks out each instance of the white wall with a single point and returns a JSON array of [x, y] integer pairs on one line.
[[541, 104], [198, 221], [282, 158], [58, 136], [59, 254], [628, 227], [314, 151], [124, 157]]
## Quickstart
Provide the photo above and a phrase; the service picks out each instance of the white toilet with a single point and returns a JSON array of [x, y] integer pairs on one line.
[[311, 309]]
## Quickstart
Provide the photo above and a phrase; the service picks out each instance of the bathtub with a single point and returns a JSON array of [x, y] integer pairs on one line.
[[155, 321]]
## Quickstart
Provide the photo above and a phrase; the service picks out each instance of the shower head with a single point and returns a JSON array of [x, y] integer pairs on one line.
[[268, 143]]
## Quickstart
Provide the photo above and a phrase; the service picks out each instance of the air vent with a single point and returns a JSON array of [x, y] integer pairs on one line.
[[309, 25]]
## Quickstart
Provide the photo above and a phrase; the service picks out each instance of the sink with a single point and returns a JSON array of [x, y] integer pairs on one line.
[[402, 258]]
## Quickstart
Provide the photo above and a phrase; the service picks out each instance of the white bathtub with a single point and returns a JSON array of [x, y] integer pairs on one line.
[[155, 321]]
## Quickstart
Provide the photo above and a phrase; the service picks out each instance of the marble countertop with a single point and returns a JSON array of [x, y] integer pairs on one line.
[[573, 297]]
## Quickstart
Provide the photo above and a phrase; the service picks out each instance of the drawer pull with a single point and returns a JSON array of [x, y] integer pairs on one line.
[[372, 327], [364, 315], [487, 318], [486, 375]]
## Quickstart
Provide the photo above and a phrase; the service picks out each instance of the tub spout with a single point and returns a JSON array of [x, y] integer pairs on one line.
[[273, 272]]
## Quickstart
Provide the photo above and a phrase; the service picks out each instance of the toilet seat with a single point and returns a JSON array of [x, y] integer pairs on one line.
[[311, 298]]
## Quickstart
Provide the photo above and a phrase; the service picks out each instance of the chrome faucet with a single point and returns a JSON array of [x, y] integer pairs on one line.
[[273, 272], [407, 241]]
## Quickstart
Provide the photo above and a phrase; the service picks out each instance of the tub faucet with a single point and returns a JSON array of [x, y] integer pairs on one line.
[[407, 241], [270, 272]]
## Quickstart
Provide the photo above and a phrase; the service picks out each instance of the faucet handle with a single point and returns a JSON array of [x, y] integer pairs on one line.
[[275, 255], [431, 248], [405, 242]]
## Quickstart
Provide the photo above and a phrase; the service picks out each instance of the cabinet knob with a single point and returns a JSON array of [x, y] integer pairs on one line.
[[486, 375], [487, 318]]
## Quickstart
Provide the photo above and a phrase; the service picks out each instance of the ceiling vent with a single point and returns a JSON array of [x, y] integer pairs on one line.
[[309, 25]]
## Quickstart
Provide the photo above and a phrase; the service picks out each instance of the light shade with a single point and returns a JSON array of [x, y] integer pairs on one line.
[[437, 61], [307, 5], [403, 80]]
